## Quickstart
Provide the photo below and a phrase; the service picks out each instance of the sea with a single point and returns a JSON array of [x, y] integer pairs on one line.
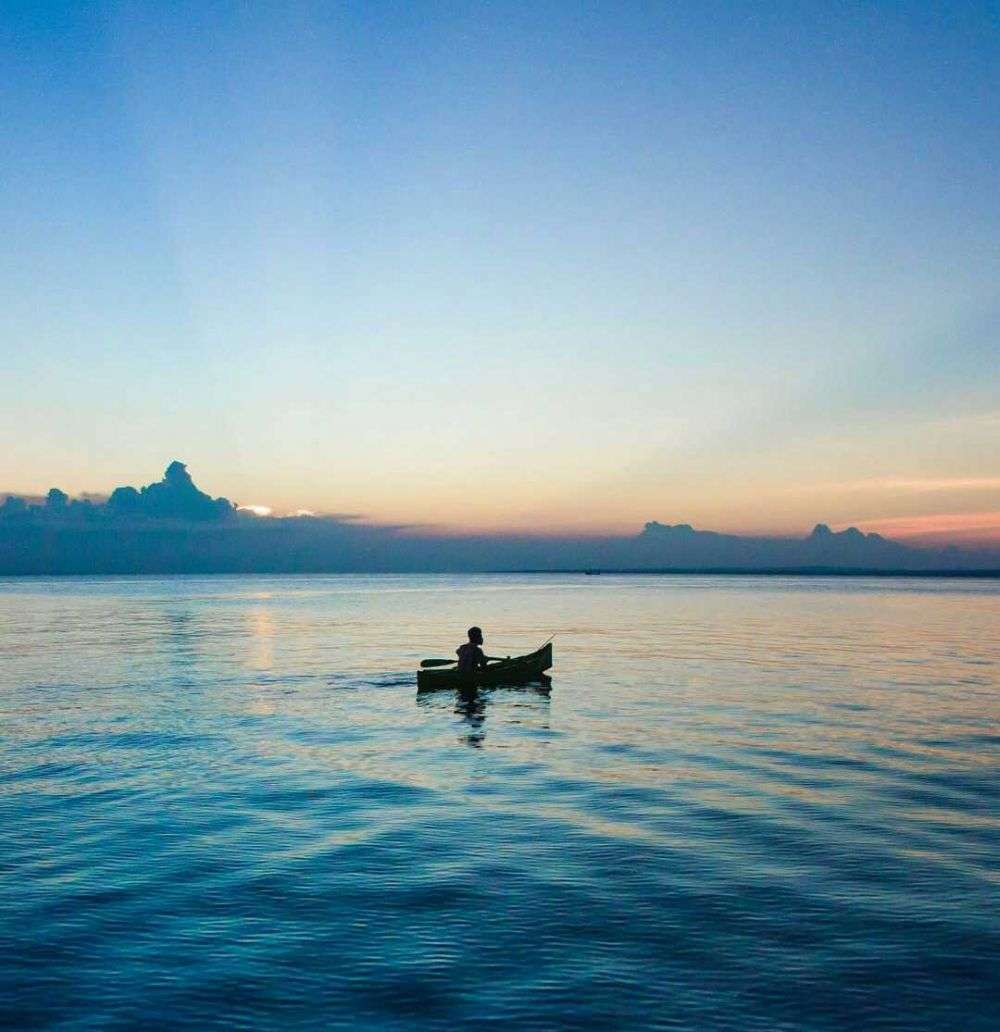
[[742, 803]]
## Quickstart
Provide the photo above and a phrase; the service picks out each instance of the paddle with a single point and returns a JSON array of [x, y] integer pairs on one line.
[[426, 663]]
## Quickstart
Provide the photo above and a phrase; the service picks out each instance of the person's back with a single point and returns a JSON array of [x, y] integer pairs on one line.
[[470, 655]]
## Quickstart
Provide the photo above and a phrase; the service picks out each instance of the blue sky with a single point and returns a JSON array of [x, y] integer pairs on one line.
[[525, 266]]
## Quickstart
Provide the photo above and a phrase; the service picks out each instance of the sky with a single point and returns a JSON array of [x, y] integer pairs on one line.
[[529, 267]]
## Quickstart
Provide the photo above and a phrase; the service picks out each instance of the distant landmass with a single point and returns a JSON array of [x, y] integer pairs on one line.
[[171, 526]]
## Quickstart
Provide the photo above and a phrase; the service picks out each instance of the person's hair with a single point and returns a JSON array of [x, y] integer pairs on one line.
[[475, 632]]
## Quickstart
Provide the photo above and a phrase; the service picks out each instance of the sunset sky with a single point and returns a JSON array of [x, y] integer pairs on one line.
[[541, 266]]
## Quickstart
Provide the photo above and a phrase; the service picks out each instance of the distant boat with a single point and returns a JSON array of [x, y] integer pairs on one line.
[[517, 670]]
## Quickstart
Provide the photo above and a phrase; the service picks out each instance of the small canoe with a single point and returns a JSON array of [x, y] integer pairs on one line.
[[517, 670]]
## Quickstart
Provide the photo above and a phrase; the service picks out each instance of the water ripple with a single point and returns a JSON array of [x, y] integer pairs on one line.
[[744, 804]]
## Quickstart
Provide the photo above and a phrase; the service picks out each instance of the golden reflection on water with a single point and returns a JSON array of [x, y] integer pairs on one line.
[[261, 628]]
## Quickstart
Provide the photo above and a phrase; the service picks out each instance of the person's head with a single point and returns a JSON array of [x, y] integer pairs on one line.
[[476, 635]]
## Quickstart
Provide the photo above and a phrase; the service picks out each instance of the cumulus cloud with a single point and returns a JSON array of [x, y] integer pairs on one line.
[[175, 497]]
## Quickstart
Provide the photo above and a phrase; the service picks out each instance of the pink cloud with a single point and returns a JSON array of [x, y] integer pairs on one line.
[[967, 528]]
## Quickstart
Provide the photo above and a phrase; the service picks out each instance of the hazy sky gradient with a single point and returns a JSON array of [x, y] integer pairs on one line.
[[509, 266]]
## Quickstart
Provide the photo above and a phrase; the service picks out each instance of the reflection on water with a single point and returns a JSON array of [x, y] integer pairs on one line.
[[744, 803], [471, 704], [471, 707], [261, 627]]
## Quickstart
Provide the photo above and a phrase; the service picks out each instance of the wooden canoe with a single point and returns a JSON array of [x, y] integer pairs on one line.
[[517, 670]]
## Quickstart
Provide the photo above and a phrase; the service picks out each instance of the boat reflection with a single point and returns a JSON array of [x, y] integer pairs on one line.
[[471, 704]]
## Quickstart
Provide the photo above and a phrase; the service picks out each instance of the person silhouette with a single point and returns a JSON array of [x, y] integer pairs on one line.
[[470, 655]]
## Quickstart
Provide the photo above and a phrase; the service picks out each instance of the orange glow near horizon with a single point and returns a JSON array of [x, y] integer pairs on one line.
[[773, 494], [976, 528], [766, 517]]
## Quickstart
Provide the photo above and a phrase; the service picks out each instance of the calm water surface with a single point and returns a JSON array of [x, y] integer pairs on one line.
[[745, 803]]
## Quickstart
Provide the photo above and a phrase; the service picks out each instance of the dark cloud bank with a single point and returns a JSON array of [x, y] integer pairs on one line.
[[173, 527]]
